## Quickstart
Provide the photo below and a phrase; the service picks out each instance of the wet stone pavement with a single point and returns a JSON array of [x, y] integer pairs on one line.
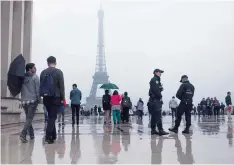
[[211, 142]]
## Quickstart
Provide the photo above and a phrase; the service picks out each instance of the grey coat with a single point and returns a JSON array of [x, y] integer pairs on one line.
[[30, 88], [140, 105]]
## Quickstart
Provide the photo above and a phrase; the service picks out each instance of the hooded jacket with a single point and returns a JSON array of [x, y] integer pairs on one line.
[[228, 100], [116, 99], [30, 90], [140, 105], [173, 103]]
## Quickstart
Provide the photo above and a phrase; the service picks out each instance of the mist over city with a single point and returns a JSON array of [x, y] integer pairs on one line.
[[193, 38]]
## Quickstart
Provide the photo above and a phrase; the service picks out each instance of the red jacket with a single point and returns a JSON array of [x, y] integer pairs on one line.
[[64, 103], [116, 99]]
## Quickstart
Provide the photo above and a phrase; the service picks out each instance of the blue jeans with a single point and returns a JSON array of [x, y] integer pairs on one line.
[[116, 115], [29, 110]]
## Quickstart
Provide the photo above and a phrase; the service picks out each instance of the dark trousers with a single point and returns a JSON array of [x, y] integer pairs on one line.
[[184, 108], [52, 105], [75, 112], [199, 112], [222, 111], [173, 112], [216, 111], [126, 114], [204, 110], [209, 110], [156, 114], [140, 113]]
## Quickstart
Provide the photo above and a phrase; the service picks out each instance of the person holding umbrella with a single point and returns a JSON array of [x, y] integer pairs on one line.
[[108, 87], [30, 98], [106, 104]]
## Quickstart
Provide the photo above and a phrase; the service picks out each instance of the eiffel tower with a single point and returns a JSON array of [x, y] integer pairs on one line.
[[100, 76]]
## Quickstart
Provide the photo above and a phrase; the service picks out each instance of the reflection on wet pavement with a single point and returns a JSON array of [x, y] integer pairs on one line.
[[211, 141]]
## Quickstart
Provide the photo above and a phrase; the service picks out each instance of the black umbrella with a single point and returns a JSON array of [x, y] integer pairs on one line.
[[16, 75]]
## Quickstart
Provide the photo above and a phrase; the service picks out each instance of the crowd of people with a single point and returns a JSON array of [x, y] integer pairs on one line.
[[118, 105], [212, 106], [207, 107], [50, 87]]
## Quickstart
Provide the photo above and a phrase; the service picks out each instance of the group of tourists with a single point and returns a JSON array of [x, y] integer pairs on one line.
[[50, 87], [118, 105], [210, 106]]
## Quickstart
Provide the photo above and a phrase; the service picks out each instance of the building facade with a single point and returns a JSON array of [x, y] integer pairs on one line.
[[16, 34]]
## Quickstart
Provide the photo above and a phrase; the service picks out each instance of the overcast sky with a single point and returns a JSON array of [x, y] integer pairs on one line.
[[180, 37]]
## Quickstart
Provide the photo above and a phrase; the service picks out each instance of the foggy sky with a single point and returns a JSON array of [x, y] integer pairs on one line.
[[180, 37]]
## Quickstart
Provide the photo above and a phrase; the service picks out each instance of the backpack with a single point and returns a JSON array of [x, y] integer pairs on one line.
[[47, 87], [208, 103], [126, 102]]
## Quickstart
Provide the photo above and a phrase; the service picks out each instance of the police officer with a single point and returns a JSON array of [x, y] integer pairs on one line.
[[155, 103], [185, 95]]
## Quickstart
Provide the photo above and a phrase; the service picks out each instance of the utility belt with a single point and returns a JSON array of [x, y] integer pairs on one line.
[[154, 100], [187, 102]]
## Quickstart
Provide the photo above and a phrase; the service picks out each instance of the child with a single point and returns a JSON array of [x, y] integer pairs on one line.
[[61, 113]]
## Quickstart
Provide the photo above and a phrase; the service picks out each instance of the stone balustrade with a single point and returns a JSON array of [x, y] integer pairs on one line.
[[12, 112]]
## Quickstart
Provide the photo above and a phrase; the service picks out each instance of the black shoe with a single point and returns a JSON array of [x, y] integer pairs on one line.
[[185, 131], [23, 139], [162, 132], [173, 130], [154, 132], [49, 141], [32, 137], [114, 123], [118, 122]]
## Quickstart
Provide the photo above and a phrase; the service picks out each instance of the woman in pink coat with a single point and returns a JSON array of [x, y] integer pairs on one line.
[[115, 106]]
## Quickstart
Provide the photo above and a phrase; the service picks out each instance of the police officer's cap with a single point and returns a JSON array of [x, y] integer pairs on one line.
[[182, 77], [158, 70]]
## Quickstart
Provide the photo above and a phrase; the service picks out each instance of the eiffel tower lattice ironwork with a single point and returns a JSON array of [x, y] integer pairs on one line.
[[100, 76]]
